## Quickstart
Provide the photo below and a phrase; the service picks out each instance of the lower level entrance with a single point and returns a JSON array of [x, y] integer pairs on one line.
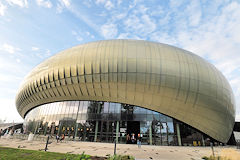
[[133, 129]]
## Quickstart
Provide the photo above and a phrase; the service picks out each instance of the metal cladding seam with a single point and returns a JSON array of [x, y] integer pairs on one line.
[[152, 75]]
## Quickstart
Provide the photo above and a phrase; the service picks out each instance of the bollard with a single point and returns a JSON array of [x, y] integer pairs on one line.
[[212, 149], [46, 144], [115, 145]]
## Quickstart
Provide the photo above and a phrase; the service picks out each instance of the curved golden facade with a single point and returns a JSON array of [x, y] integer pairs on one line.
[[156, 76]]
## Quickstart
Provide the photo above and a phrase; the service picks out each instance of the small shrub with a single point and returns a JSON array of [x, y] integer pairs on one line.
[[84, 156], [120, 157]]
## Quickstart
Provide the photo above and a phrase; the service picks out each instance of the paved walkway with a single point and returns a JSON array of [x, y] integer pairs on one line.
[[145, 152]]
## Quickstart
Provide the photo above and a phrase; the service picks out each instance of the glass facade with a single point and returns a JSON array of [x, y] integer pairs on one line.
[[107, 121]]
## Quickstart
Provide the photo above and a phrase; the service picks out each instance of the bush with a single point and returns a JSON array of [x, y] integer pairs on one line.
[[84, 156], [120, 157]]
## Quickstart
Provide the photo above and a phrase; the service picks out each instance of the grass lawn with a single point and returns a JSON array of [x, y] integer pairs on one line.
[[22, 154]]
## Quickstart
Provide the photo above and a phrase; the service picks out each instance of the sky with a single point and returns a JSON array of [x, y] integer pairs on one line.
[[33, 30]]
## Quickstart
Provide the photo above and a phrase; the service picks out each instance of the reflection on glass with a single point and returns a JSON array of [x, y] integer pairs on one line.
[[98, 121]]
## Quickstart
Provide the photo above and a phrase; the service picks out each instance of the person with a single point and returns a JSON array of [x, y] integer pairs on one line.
[[128, 138], [57, 138], [139, 141], [11, 131], [62, 137], [1, 132], [133, 138], [6, 132]]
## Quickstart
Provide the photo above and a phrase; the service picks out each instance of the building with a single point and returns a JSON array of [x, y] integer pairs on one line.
[[7, 127], [104, 90]]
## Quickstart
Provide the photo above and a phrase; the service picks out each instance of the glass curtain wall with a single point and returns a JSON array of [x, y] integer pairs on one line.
[[101, 122]]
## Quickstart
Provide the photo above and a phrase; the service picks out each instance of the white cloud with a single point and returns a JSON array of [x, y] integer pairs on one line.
[[142, 9], [35, 48], [87, 3], [123, 36], [120, 16], [90, 35], [132, 22], [79, 38], [78, 35], [128, 36], [164, 20], [2, 9], [133, 4], [142, 25], [59, 8], [43, 55], [163, 38], [119, 2], [158, 11], [175, 4], [109, 5], [79, 14], [20, 3], [109, 30], [9, 48], [100, 1], [195, 13], [66, 2], [44, 3], [148, 23], [63, 4]]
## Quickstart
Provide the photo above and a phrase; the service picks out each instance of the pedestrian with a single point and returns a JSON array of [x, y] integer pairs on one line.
[[133, 138], [62, 137], [1, 132], [139, 141], [57, 138], [11, 131], [128, 138]]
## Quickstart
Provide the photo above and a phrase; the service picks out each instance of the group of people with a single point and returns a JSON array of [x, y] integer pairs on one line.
[[60, 138], [133, 139], [7, 131]]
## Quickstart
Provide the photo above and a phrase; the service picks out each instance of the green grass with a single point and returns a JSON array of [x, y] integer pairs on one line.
[[22, 154]]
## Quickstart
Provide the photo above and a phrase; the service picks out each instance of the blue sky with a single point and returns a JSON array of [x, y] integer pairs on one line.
[[32, 31]]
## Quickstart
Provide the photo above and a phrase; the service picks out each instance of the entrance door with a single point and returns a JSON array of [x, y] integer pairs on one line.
[[133, 127]]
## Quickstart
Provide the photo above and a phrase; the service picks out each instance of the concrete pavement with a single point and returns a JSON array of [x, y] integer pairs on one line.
[[103, 149]]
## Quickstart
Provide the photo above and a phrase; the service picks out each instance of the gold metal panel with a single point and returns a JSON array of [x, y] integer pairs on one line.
[[96, 68], [90, 89], [160, 77], [67, 71]]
